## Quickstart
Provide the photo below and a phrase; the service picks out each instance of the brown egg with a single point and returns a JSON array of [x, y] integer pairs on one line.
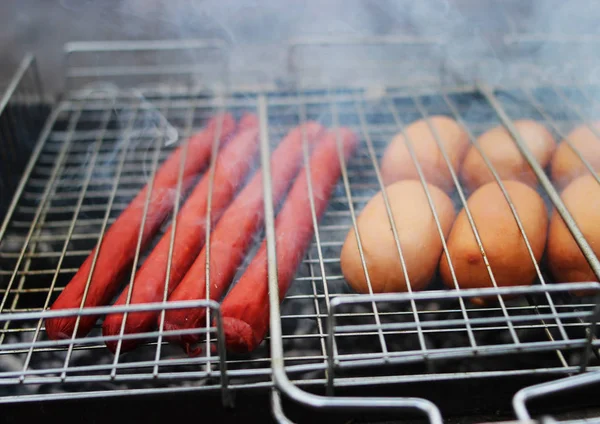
[[397, 163], [417, 233], [566, 261], [502, 240], [566, 164], [500, 148]]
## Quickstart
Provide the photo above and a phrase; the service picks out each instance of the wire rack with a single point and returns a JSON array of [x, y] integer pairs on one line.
[[21, 116], [545, 391], [99, 147]]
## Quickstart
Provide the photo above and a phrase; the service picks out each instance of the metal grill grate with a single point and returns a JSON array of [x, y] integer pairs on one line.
[[22, 111], [557, 387], [100, 146]]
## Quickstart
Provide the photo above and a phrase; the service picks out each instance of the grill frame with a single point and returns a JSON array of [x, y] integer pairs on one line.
[[277, 369]]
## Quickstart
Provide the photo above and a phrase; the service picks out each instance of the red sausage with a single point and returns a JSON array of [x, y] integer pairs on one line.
[[233, 235], [245, 309], [120, 241], [233, 164]]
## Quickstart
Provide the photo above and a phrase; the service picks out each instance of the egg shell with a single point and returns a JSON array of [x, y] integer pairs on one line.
[[418, 234], [504, 245], [567, 164], [397, 163], [502, 152], [566, 261]]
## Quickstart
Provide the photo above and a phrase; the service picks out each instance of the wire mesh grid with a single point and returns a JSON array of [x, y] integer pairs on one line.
[[459, 330], [98, 150], [21, 117], [551, 391]]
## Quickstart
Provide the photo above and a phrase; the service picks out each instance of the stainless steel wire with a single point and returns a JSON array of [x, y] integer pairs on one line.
[[62, 211], [487, 161]]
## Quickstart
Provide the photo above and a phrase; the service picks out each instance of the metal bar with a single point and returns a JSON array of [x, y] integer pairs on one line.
[[123, 205], [142, 46], [273, 92], [544, 180], [365, 40], [107, 367], [577, 111], [361, 180], [323, 280], [453, 324], [323, 342], [160, 136], [66, 344], [150, 186], [29, 169], [21, 283], [522, 396], [112, 71], [17, 111], [38, 212], [116, 181], [464, 293], [27, 62], [92, 194], [549, 37], [173, 229], [34, 242], [470, 216], [38, 81], [403, 358], [266, 384], [449, 326], [207, 245], [138, 307], [130, 179], [488, 163], [315, 363], [82, 193], [83, 190], [558, 204], [128, 46], [533, 308], [36, 237], [390, 216], [9, 138], [225, 395], [409, 146], [277, 408], [277, 359], [350, 200], [134, 269], [540, 109], [350, 299]]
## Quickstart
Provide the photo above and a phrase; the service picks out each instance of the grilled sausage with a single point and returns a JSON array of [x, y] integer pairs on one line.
[[232, 236], [245, 309], [118, 247], [232, 166]]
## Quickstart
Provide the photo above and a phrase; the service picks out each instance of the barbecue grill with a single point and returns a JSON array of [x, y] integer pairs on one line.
[[69, 168]]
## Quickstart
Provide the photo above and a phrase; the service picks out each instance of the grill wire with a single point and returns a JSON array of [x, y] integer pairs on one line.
[[99, 149]]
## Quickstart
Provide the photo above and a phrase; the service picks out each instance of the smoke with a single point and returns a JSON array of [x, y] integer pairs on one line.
[[483, 40], [445, 41]]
